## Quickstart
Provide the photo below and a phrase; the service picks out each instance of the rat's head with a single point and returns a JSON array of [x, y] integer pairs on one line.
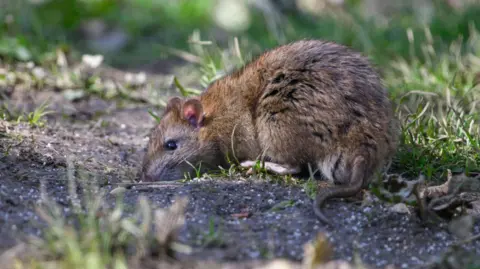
[[175, 144]]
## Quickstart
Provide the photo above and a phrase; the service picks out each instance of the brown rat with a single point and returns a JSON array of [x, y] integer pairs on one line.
[[307, 102]]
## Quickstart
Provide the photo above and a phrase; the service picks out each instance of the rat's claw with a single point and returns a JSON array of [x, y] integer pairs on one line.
[[275, 168], [247, 164]]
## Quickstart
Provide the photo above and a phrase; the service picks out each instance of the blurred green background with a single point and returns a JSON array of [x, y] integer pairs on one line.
[[135, 32]]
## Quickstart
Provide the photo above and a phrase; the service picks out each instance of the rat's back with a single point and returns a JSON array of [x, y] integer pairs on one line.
[[323, 104], [319, 93]]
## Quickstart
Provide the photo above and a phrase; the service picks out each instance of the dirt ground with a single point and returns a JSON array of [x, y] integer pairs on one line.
[[107, 147]]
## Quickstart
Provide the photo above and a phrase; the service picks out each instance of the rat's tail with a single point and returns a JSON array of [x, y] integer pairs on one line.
[[356, 181]]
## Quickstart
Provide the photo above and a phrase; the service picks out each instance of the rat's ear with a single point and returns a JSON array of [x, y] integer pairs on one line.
[[173, 103], [193, 112]]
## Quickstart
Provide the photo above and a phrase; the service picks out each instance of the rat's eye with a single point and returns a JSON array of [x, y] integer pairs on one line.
[[170, 145]]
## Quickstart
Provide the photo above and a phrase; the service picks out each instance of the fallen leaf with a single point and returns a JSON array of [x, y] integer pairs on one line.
[[317, 252], [169, 221], [458, 191], [241, 215]]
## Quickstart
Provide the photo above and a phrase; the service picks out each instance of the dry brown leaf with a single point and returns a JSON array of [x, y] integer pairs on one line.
[[454, 185], [457, 195], [317, 252], [439, 190], [241, 215], [9, 257], [4, 127], [169, 221]]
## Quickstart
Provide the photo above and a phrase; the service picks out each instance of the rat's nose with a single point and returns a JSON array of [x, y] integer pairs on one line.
[[145, 177]]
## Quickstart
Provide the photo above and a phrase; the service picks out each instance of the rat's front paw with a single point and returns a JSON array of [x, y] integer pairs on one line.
[[271, 167]]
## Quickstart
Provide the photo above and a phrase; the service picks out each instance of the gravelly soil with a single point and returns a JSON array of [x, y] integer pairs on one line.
[[110, 151]]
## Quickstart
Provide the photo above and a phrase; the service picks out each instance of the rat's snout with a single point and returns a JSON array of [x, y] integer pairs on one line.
[[152, 175], [145, 177], [156, 171]]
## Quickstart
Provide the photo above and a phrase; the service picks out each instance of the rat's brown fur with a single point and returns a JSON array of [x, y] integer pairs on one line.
[[308, 102]]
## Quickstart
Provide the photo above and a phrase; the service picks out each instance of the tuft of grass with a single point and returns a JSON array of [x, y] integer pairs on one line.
[[185, 92], [215, 61], [282, 205], [310, 186], [8, 114], [36, 118], [259, 169], [436, 102], [95, 235], [197, 170], [213, 237]]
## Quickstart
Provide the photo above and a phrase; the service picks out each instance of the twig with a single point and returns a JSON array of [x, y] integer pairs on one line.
[[169, 183]]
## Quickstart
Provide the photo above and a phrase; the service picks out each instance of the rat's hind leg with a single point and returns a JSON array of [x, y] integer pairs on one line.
[[272, 167], [353, 182]]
